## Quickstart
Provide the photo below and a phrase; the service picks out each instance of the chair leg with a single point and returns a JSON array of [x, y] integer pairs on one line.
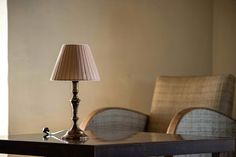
[[215, 154]]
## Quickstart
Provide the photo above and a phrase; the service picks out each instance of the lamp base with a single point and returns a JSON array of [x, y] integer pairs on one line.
[[75, 134]]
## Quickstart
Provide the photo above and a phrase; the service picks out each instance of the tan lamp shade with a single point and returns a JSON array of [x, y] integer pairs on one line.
[[75, 63]]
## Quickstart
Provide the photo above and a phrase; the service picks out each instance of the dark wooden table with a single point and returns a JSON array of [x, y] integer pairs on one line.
[[112, 144]]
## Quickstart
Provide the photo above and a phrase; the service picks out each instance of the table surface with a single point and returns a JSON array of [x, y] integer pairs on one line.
[[115, 144]]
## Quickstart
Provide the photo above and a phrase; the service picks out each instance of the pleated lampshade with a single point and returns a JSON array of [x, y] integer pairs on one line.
[[75, 63]]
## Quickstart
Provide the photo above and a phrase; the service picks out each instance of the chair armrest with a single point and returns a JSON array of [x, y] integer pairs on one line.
[[176, 120], [115, 118], [202, 121]]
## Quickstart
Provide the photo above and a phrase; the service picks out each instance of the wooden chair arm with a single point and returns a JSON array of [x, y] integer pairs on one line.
[[201, 121], [178, 117]]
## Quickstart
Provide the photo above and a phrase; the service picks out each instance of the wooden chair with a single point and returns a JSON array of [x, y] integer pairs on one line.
[[178, 97], [171, 95], [203, 122]]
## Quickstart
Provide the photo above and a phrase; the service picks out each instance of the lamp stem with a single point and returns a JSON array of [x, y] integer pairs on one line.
[[75, 103], [75, 133]]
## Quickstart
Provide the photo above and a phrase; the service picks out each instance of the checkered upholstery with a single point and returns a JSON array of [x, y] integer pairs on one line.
[[205, 122], [173, 94], [116, 119]]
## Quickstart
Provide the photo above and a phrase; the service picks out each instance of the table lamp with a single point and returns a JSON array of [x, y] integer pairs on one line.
[[75, 63]]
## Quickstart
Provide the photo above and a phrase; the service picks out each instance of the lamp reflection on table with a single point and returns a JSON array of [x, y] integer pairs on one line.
[[101, 135]]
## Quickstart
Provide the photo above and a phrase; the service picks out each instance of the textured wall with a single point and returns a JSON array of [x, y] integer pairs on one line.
[[224, 39], [133, 41]]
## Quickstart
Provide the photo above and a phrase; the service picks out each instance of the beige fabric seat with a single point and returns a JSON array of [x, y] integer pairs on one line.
[[171, 95]]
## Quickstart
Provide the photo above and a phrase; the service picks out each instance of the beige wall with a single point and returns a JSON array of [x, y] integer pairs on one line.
[[224, 38], [133, 41]]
